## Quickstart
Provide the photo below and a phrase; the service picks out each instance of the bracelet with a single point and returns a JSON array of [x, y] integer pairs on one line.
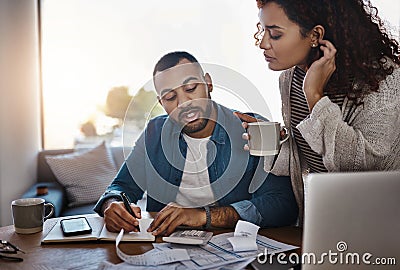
[[208, 217]]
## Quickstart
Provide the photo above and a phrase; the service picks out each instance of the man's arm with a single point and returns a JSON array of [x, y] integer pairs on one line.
[[174, 215], [224, 217], [272, 205], [124, 181], [110, 206]]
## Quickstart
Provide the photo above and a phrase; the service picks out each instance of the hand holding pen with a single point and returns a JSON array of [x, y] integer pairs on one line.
[[127, 205]]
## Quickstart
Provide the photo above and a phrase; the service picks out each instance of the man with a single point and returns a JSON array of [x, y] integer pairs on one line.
[[192, 164]]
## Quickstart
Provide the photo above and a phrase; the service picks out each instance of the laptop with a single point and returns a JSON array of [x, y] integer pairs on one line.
[[352, 221]]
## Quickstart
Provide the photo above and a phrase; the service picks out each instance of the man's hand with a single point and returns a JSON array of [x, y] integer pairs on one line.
[[174, 215], [116, 217]]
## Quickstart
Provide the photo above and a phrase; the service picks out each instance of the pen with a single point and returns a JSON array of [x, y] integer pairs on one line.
[[127, 204]]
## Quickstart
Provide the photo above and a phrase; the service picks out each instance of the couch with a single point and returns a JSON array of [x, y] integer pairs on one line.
[[56, 192]]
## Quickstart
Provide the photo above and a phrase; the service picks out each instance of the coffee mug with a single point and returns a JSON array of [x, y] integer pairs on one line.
[[29, 214], [265, 138]]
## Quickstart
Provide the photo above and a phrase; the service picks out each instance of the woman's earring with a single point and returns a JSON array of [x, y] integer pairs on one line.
[[314, 45]]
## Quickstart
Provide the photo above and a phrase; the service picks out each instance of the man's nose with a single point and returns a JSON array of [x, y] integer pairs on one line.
[[183, 101]]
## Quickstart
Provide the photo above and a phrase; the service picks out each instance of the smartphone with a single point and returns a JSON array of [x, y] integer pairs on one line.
[[75, 226]]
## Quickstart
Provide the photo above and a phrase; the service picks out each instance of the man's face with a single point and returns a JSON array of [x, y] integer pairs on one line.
[[184, 94]]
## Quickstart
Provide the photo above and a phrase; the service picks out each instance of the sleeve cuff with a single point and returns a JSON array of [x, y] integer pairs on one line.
[[321, 108], [106, 196], [247, 211], [312, 127]]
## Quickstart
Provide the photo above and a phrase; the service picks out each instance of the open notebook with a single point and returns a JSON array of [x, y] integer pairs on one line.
[[99, 232]]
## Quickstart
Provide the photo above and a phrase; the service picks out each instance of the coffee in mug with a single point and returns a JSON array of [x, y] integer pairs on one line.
[[265, 138], [29, 214]]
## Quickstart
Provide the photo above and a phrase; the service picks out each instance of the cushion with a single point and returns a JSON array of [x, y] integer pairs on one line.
[[84, 175]]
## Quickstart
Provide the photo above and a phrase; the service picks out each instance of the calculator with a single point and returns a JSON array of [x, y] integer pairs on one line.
[[189, 237]]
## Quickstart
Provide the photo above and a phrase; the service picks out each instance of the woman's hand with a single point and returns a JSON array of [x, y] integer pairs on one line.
[[246, 119], [249, 119], [319, 73]]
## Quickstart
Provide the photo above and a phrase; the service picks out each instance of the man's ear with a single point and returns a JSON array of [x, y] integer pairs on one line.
[[159, 99], [317, 34], [208, 80]]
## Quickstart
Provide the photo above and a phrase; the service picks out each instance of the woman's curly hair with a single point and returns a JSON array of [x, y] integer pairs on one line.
[[362, 42]]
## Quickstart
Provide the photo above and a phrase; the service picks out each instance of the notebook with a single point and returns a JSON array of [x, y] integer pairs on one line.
[[99, 232], [355, 216]]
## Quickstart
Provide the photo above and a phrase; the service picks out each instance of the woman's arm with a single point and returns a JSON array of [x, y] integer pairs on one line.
[[365, 142]]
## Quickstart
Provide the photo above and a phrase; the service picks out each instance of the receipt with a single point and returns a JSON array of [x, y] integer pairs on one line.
[[151, 258], [245, 236], [246, 229]]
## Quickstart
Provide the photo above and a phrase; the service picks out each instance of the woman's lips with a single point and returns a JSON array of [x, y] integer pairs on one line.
[[268, 58]]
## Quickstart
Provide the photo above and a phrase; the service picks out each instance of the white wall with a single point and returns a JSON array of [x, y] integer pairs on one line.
[[19, 99]]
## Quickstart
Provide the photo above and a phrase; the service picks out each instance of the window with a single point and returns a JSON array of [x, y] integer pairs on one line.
[[98, 54]]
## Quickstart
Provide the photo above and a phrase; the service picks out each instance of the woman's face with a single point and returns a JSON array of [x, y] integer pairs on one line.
[[283, 44]]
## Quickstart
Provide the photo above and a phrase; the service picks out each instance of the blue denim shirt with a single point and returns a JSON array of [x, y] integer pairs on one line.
[[157, 160]]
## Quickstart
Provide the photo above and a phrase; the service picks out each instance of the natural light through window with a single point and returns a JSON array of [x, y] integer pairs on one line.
[[97, 54]]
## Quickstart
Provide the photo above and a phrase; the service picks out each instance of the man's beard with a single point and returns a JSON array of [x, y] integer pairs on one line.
[[200, 123]]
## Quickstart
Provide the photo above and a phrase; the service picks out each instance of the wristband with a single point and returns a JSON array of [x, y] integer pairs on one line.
[[208, 217]]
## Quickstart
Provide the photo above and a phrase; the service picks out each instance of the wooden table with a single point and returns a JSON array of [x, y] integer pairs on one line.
[[88, 255]]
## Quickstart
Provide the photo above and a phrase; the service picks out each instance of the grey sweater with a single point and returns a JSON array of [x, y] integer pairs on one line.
[[365, 139]]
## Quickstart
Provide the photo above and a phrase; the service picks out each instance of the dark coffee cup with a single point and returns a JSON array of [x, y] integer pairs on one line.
[[29, 214]]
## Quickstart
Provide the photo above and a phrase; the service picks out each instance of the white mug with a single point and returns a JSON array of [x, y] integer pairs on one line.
[[29, 214], [265, 138]]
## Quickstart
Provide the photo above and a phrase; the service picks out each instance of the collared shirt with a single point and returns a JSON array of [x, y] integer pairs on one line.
[[157, 160]]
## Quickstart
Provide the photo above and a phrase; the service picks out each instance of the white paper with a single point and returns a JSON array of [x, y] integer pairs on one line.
[[217, 254], [263, 244], [152, 257], [171, 266], [242, 243], [127, 266], [143, 235], [244, 237], [246, 229]]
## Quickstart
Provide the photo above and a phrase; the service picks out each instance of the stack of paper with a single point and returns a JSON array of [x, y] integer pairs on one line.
[[217, 253]]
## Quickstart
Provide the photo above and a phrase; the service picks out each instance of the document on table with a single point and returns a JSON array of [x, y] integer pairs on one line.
[[151, 258], [127, 266], [171, 266], [219, 251]]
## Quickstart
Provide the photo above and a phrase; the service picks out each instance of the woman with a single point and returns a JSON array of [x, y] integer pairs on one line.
[[340, 89]]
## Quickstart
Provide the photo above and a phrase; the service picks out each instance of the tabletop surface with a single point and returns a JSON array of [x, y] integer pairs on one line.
[[88, 255]]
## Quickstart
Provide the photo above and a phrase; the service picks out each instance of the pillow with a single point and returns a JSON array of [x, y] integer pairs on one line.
[[85, 175]]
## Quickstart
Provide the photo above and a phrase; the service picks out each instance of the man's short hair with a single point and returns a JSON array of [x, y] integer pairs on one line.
[[172, 59]]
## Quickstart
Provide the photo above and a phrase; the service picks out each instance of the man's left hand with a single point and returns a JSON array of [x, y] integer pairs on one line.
[[174, 215]]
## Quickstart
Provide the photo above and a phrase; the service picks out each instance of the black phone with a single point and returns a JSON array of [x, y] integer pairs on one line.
[[75, 226]]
